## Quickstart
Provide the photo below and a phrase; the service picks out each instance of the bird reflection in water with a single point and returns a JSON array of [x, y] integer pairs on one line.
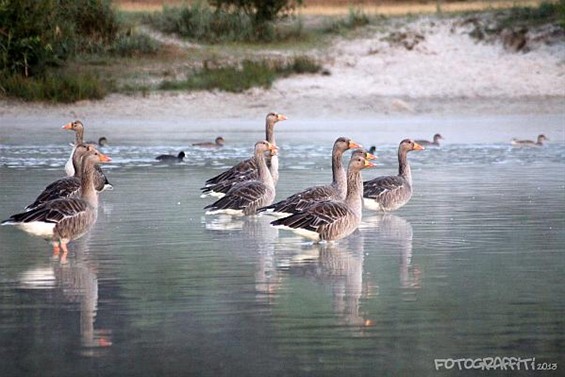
[[395, 233], [339, 267], [73, 283]]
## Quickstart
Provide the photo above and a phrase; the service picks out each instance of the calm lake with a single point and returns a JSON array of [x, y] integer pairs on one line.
[[472, 267]]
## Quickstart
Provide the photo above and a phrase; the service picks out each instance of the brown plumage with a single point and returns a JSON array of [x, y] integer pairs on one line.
[[246, 170], [434, 143], [219, 142], [66, 219], [529, 143], [388, 193], [246, 197], [331, 220], [69, 187], [334, 191]]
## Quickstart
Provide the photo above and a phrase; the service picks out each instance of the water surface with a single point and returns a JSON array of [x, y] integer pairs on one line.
[[472, 267]]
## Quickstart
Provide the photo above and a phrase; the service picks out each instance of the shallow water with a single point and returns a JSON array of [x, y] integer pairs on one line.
[[471, 267]]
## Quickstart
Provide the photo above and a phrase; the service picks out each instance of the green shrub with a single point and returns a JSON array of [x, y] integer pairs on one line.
[[54, 87], [243, 77]]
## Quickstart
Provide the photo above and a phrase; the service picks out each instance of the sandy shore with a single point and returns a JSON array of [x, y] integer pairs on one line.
[[444, 72]]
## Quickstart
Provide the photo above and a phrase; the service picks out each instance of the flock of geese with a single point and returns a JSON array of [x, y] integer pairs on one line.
[[67, 208]]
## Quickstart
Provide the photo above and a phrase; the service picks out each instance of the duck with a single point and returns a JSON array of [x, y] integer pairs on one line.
[[334, 191], [434, 143], [246, 170], [171, 158], [332, 220], [244, 198], [66, 219], [529, 143], [218, 143], [389, 193], [102, 142], [70, 168], [373, 149], [69, 187]]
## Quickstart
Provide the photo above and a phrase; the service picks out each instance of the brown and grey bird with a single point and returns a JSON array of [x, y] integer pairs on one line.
[[71, 165], [529, 143], [247, 196], [66, 219], [336, 190], [434, 143], [388, 193], [246, 170], [69, 187], [331, 220], [218, 143], [171, 158]]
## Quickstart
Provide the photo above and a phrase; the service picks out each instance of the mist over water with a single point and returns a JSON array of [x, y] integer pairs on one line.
[[471, 267]]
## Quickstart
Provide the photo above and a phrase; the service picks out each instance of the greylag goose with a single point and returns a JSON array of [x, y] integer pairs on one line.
[[70, 166], [529, 143], [334, 191], [389, 193], [247, 196], [69, 187], [331, 220], [245, 170], [434, 143], [219, 142], [63, 220], [171, 158]]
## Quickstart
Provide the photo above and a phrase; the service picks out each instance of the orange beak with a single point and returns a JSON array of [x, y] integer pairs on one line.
[[370, 156], [369, 164], [104, 158], [273, 148], [418, 147], [68, 126], [281, 117], [353, 145]]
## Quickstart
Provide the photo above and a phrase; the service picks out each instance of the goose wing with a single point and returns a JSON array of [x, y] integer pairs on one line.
[[241, 196], [54, 211], [67, 187], [315, 216], [380, 186], [299, 201], [236, 173]]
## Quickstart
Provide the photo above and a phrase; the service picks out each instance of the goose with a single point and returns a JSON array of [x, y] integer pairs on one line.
[[171, 158], [529, 143], [247, 169], [435, 143], [334, 191], [70, 168], [66, 219], [78, 128], [219, 142], [388, 193], [331, 220], [69, 187], [247, 196]]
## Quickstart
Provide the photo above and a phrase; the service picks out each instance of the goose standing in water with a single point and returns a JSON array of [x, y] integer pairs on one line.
[[69, 187], [70, 166], [334, 191], [63, 220], [246, 170], [388, 193], [171, 158], [247, 196], [434, 143], [218, 143], [331, 220], [529, 143]]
